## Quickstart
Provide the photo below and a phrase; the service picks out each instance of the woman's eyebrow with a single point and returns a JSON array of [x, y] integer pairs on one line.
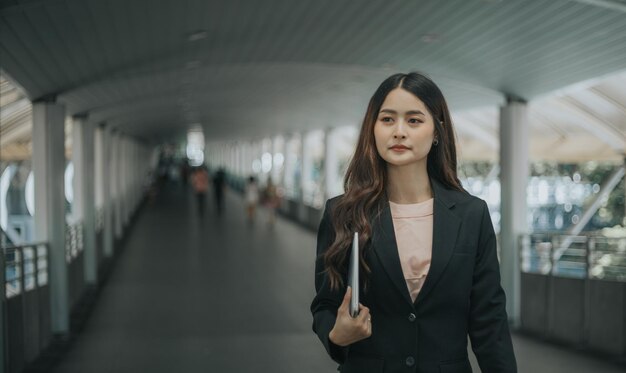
[[410, 112]]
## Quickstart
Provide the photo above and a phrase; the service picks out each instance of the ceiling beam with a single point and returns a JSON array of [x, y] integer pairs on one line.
[[476, 131], [596, 91], [601, 129]]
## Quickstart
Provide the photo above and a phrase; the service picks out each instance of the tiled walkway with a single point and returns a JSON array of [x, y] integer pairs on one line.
[[220, 295]]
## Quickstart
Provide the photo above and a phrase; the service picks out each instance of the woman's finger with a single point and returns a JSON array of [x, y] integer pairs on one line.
[[346, 299], [364, 315]]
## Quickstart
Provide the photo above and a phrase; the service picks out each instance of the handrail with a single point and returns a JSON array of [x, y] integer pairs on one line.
[[37, 243], [588, 256], [25, 268], [73, 240]]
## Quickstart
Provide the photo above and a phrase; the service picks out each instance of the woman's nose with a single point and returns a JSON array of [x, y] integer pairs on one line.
[[399, 132]]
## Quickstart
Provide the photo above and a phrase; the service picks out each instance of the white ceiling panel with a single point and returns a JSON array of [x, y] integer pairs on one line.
[[246, 69]]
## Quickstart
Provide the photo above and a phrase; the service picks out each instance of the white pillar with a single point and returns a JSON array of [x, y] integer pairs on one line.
[[125, 206], [129, 180], [137, 172], [48, 169], [137, 176], [132, 173], [107, 200], [513, 209], [84, 193], [116, 184], [77, 161]]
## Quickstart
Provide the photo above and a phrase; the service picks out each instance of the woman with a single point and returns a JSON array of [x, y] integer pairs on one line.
[[272, 200], [428, 262], [252, 198]]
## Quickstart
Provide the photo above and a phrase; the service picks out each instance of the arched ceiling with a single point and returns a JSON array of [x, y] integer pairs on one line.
[[247, 69]]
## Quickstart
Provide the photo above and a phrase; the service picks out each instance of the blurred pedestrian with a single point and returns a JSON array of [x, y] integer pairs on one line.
[[251, 198], [219, 179], [271, 200], [200, 183], [184, 171]]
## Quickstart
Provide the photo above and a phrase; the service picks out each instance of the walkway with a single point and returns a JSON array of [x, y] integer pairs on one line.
[[219, 295]]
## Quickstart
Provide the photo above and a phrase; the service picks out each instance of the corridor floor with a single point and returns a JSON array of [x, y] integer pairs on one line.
[[191, 294]]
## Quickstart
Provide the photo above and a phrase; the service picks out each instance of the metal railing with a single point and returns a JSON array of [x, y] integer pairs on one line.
[[568, 289], [26, 304], [25, 268], [73, 241], [582, 256]]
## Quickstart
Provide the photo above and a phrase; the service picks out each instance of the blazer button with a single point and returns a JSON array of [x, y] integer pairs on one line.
[[412, 317], [410, 361]]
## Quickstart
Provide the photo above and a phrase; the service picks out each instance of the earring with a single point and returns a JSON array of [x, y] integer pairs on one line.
[[436, 142]]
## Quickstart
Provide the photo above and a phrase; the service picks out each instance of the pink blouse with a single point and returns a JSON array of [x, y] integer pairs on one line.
[[413, 226]]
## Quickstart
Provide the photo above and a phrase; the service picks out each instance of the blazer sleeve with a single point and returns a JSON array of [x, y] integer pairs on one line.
[[488, 324], [326, 302]]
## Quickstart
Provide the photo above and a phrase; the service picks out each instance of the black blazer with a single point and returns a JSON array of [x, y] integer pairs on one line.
[[461, 296]]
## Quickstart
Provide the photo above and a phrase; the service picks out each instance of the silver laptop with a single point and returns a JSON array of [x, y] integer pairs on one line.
[[353, 276]]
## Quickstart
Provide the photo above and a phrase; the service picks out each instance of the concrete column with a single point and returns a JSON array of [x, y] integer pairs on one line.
[[133, 172], [99, 166], [131, 179], [513, 178], [84, 193], [48, 169], [121, 177], [124, 182], [115, 184], [107, 198], [78, 160], [127, 181], [137, 173]]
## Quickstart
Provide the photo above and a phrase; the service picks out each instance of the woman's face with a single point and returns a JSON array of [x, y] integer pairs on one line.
[[404, 130]]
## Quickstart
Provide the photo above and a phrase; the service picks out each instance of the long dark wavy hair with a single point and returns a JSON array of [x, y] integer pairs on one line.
[[365, 183]]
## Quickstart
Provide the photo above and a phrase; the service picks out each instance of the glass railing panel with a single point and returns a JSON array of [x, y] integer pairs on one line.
[[73, 241], [584, 256], [536, 252], [25, 268], [570, 256], [29, 267], [608, 258], [42, 265], [13, 272]]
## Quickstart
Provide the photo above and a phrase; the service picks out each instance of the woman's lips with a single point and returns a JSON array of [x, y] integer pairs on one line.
[[399, 148]]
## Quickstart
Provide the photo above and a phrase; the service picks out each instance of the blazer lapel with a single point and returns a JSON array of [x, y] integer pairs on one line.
[[445, 230], [386, 249]]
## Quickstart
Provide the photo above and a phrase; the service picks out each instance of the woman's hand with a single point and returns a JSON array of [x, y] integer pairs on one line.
[[347, 329]]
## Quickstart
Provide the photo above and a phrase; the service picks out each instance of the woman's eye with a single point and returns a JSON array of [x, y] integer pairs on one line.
[[415, 121], [385, 119]]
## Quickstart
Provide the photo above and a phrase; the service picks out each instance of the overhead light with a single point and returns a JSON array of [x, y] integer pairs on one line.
[[197, 35]]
